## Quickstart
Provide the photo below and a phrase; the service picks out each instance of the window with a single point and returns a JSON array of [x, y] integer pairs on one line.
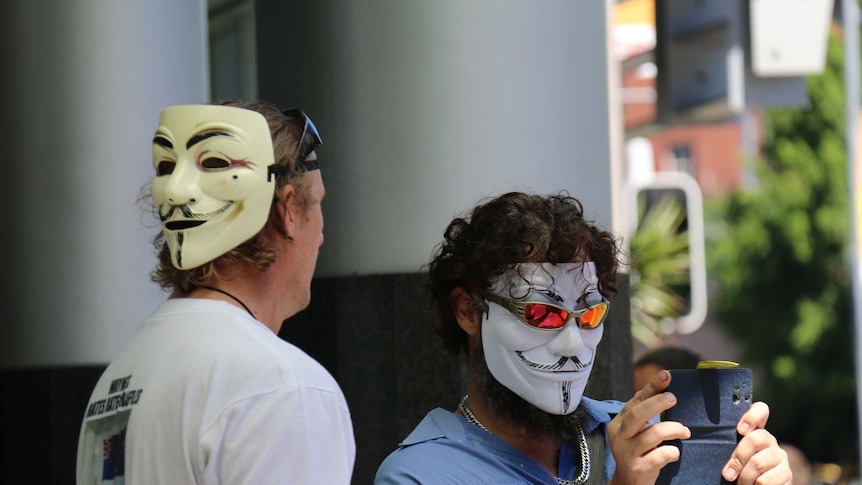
[[681, 159], [233, 70]]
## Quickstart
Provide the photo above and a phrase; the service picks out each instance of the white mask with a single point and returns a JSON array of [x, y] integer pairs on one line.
[[211, 188], [547, 368]]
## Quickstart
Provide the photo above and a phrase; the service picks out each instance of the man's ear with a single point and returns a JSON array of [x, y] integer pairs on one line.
[[469, 316], [286, 207]]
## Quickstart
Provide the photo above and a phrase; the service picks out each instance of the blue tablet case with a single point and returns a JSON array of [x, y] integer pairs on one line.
[[710, 402]]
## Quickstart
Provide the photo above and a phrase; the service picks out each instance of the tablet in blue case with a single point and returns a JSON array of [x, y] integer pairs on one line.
[[710, 402]]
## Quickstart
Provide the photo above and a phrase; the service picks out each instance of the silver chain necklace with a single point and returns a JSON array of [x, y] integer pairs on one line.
[[582, 445]]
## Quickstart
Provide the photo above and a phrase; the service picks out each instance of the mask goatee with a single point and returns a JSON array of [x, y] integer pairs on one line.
[[530, 420]]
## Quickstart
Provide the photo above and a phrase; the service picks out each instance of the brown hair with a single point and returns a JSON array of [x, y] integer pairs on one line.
[[510, 229], [256, 251]]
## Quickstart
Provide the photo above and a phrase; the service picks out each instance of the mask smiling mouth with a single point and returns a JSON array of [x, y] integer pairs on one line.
[[564, 364], [190, 219], [180, 225]]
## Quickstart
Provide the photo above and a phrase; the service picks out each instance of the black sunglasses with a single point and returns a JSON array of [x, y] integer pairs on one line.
[[308, 142]]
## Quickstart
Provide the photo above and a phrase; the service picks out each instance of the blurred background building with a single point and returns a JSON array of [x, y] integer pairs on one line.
[[710, 90]]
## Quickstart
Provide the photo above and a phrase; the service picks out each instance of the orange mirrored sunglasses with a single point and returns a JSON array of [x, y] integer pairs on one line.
[[547, 316]]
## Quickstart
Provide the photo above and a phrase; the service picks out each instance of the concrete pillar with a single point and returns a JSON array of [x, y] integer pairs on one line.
[[83, 85], [427, 106]]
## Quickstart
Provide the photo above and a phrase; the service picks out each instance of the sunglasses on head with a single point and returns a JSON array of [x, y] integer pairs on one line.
[[547, 316], [308, 142]]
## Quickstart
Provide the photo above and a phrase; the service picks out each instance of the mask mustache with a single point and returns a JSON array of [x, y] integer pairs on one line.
[[173, 208], [190, 218], [556, 366]]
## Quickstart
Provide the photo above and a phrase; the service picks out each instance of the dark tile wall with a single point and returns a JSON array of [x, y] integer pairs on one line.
[[376, 336], [40, 415]]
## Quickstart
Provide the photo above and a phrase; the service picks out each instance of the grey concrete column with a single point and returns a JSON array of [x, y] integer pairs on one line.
[[427, 107], [83, 83]]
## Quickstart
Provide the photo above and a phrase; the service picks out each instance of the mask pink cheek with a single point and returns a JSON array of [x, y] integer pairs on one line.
[[157, 190], [231, 186]]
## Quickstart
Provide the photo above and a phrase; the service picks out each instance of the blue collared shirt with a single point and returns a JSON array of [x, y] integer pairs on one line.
[[446, 449]]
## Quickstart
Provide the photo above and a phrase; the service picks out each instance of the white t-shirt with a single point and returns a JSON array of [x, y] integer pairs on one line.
[[205, 394]]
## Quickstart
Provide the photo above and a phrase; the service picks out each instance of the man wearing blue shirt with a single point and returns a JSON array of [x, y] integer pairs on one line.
[[521, 285]]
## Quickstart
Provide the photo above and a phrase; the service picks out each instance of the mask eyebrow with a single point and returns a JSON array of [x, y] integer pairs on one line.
[[203, 136], [552, 295], [162, 141], [590, 293]]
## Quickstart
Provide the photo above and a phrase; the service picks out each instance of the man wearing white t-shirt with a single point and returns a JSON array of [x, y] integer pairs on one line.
[[207, 392]]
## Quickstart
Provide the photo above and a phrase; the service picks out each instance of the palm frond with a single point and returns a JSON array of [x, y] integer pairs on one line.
[[659, 249]]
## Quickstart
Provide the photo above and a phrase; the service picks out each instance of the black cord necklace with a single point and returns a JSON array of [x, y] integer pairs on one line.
[[228, 294]]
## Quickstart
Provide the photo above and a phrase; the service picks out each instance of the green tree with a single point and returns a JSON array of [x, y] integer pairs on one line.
[[779, 253]]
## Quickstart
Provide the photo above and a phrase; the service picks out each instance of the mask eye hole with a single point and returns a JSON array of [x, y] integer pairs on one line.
[[165, 167], [214, 163]]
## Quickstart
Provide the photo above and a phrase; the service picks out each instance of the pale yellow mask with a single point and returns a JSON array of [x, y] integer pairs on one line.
[[211, 185]]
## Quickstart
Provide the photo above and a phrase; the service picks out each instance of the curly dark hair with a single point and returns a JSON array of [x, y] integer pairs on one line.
[[510, 229], [256, 251]]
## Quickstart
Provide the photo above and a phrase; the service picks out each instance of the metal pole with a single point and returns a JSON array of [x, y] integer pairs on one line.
[[850, 20]]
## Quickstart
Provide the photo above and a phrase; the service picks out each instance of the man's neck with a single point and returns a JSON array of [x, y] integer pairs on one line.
[[249, 289], [544, 450]]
